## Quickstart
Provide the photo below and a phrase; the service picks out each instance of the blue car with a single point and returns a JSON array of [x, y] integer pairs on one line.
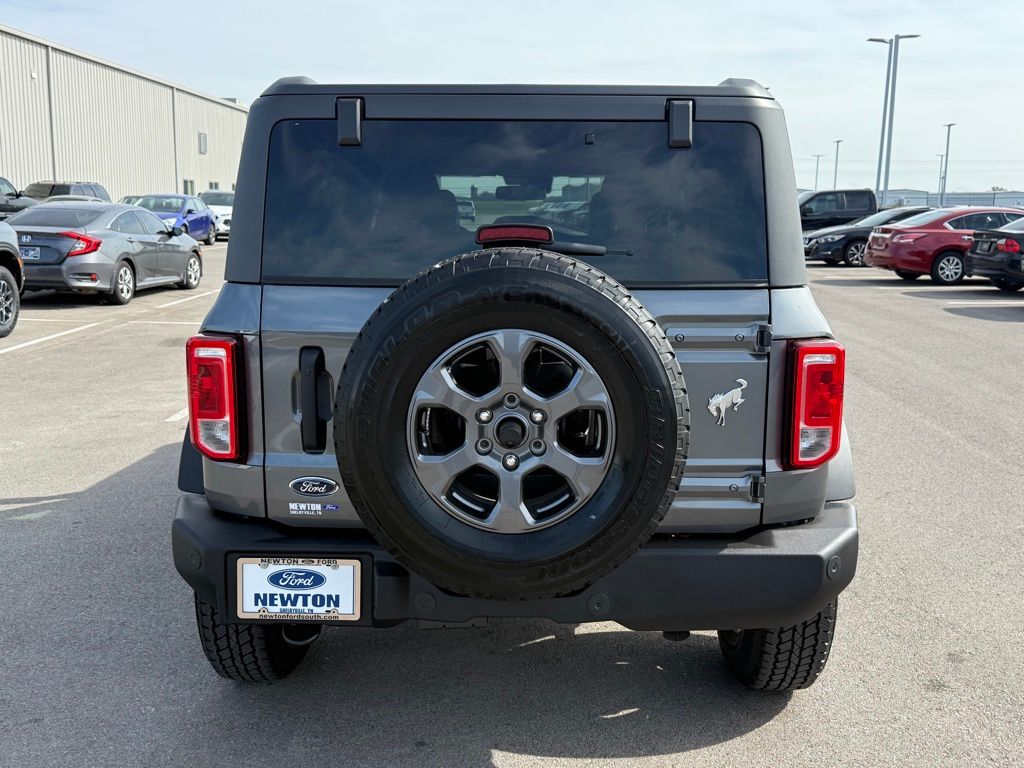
[[185, 211]]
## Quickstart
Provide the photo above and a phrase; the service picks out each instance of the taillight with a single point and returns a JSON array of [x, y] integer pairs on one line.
[[907, 237], [83, 243], [818, 371], [510, 233], [213, 420], [1007, 245]]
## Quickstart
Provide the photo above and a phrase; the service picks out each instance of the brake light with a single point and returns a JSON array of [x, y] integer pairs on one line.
[[83, 243], [907, 237], [496, 233], [818, 371], [213, 421], [1007, 245]]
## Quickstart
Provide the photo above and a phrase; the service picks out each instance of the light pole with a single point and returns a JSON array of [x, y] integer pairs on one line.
[[885, 110], [817, 160], [892, 110], [938, 187], [835, 166], [945, 170]]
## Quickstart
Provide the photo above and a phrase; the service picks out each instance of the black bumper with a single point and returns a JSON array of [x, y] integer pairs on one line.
[[1010, 267], [769, 578]]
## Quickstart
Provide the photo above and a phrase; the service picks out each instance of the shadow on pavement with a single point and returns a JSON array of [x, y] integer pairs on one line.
[[102, 665], [1000, 314]]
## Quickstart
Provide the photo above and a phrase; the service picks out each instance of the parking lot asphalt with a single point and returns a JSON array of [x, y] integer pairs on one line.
[[101, 665]]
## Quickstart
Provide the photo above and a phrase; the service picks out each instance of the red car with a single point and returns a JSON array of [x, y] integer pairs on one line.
[[934, 242]]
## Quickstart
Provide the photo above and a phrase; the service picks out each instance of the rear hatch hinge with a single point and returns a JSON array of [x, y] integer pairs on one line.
[[757, 488], [763, 339]]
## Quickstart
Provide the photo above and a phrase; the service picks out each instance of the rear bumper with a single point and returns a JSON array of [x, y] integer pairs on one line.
[[1011, 268], [72, 274], [768, 578]]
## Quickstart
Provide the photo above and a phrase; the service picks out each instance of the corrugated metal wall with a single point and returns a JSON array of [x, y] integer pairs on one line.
[[108, 124]]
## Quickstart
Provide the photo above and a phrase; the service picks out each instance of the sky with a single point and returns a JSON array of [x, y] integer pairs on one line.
[[812, 55]]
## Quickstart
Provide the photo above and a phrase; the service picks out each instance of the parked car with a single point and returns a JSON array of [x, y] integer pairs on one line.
[[467, 209], [221, 203], [11, 279], [998, 254], [934, 242], [103, 248], [393, 418], [185, 211], [74, 199], [43, 190], [130, 199], [847, 242], [11, 200], [833, 207]]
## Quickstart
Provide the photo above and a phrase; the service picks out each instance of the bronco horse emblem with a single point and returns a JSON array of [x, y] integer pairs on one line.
[[720, 403]]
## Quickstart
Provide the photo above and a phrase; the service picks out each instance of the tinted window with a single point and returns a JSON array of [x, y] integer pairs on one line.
[[6, 188], [978, 221], [858, 201], [829, 201], [387, 209], [927, 217], [218, 198], [151, 224], [161, 203], [128, 224], [884, 217], [52, 215]]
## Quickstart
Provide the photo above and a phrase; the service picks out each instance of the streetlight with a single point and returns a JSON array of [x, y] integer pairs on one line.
[[938, 186], [835, 166], [945, 172], [891, 79], [817, 160], [885, 110]]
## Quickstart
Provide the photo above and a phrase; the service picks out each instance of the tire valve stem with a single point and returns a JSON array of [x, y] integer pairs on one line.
[[510, 461]]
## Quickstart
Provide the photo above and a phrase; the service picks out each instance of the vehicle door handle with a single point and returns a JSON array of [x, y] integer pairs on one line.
[[314, 399]]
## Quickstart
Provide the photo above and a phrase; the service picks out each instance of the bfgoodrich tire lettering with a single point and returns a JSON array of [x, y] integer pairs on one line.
[[537, 292]]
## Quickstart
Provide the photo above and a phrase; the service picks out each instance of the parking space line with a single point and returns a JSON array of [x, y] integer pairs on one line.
[[187, 298], [23, 319], [179, 415], [40, 340]]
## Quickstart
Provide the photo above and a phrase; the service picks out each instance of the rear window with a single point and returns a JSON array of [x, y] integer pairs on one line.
[[51, 215], [161, 203], [39, 191], [218, 198], [924, 218], [383, 211]]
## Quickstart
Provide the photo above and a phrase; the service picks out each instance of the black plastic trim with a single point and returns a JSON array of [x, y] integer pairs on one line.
[[190, 467]]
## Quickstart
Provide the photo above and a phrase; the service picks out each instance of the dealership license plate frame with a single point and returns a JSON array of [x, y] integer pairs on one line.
[[268, 564], [30, 252]]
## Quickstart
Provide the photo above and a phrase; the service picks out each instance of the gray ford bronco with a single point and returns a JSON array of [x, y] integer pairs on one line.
[[607, 396]]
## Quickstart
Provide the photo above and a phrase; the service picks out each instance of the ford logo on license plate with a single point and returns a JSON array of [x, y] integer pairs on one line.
[[297, 578]]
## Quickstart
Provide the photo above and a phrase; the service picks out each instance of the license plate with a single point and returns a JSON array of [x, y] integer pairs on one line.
[[298, 588], [29, 254]]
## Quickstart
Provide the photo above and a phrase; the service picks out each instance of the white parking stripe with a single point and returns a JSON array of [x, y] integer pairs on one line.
[[23, 319], [179, 415], [187, 298], [24, 344]]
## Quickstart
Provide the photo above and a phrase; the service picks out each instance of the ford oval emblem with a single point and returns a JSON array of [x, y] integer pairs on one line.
[[313, 486], [297, 578]]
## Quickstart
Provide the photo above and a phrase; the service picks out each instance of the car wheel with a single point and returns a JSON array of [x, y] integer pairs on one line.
[[252, 653], [853, 254], [122, 289], [193, 272], [1007, 285], [491, 474], [909, 276], [211, 235], [10, 302], [784, 658], [948, 268]]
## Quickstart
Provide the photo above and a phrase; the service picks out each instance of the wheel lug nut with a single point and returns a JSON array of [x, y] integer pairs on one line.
[[537, 447], [484, 415], [537, 417], [511, 400], [483, 446], [510, 461]]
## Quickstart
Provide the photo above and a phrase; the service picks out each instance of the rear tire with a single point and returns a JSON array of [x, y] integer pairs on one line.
[[193, 273], [1007, 285], [948, 268], [123, 289], [853, 254], [252, 653], [10, 302], [211, 236], [782, 659], [908, 276]]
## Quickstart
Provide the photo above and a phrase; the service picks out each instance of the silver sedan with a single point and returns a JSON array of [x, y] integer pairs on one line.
[[104, 248]]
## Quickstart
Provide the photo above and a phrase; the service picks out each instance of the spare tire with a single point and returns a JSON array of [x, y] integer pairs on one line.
[[511, 424]]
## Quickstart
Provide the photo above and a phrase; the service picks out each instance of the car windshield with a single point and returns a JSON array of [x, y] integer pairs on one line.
[[1017, 225], [388, 209], [49, 215], [218, 198], [924, 218], [161, 203], [882, 217]]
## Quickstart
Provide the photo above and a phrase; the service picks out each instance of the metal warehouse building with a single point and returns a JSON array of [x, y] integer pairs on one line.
[[68, 116]]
